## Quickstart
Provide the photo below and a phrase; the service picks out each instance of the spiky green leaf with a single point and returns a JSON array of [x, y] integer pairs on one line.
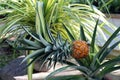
[[33, 54], [92, 45], [82, 34]]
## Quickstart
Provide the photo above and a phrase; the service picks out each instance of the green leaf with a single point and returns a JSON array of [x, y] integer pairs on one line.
[[8, 26], [83, 69], [41, 40], [112, 62], [56, 71], [105, 5], [94, 63], [106, 71], [69, 33], [88, 1], [92, 45], [30, 43], [66, 47], [107, 51], [25, 48], [60, 40], [82, 34], [2, 12], [33, 36], [40, 20], [50, 34], [30, 70], [32, 60], [108, 42], [45, 59], [53, 10], [48, 49], [34, 53], [55, 58], [80, 62], [13, 6]]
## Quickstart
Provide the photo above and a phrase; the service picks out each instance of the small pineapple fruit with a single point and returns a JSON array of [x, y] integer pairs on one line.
[[80, 49]]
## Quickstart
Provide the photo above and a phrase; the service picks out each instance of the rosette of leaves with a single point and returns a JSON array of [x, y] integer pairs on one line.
[[52, 51], [95, 66], [56, 13]]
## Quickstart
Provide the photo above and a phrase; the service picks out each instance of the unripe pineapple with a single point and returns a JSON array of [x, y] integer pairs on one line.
[[80, 49]]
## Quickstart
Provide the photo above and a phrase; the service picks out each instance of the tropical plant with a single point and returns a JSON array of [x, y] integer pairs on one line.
[[56, 12], [43, 22], [93, 64]]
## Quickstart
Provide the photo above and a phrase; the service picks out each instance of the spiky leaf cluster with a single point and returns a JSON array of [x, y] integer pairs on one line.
[[51, 51]]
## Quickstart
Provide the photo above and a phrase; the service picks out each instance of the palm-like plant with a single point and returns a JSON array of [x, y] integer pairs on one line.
[[93, 66], [56, 13]]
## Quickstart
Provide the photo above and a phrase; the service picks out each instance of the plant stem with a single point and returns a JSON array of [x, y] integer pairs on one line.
[[30, 68]]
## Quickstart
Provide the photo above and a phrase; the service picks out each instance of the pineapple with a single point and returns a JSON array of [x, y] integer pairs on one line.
[[80, 49]]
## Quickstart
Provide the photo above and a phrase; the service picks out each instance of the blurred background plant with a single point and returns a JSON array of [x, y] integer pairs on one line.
[[56, 13], [112, 5], [106, 6]]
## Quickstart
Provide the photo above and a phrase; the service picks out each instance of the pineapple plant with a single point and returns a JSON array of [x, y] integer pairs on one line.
[[90, 61]]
